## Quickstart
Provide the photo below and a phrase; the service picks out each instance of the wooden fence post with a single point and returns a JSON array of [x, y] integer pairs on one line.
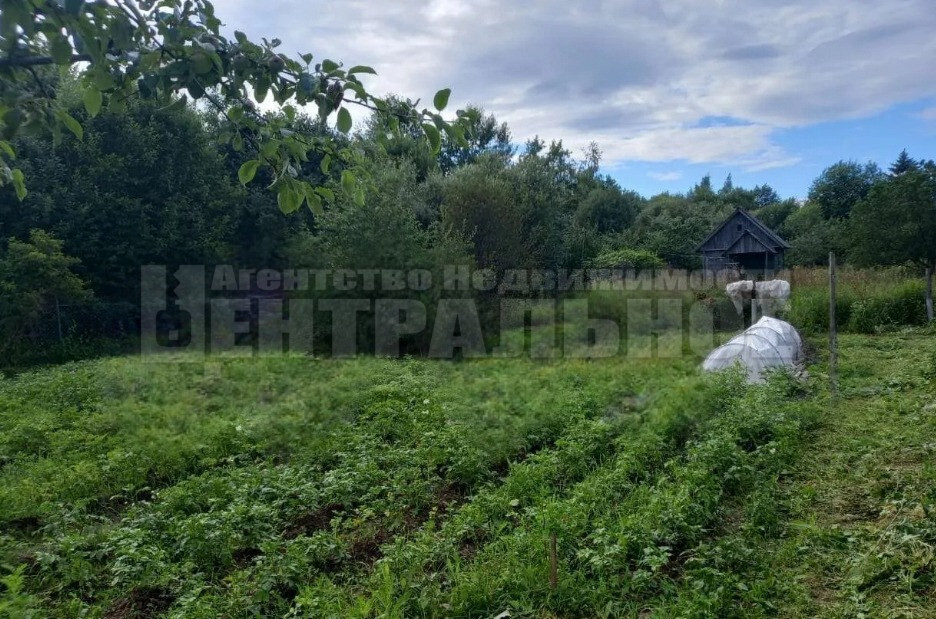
[[833, 331]]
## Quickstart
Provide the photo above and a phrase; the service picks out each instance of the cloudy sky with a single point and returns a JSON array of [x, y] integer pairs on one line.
[[767, 91]]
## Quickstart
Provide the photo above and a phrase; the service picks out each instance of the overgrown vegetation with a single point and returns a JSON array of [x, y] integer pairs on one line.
[[867, 301], [399, 488]]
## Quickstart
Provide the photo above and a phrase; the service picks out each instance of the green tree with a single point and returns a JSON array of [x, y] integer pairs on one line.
[[478, 205], [483, 134], [703, 190], [764, 195], [608, 209], [904, 163], [842, 185], [169, 51], [400, 137], [672, 226], [775, 214], [259, 231], [896, 224], [381, 235], [34, 275], [811, 236], [145, 186]]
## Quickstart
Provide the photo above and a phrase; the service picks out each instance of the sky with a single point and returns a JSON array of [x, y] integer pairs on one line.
[[769, 92]]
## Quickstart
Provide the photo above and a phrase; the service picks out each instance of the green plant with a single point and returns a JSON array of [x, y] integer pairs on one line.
[[627, 258]]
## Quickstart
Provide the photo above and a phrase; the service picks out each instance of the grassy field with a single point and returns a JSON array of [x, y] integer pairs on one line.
[[368, 487]]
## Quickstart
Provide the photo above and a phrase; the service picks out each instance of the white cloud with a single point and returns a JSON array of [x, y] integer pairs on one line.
[[665, 176], [928, 114], [636, 77]]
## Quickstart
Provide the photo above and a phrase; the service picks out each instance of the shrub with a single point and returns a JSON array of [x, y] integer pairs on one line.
[[626, 258]]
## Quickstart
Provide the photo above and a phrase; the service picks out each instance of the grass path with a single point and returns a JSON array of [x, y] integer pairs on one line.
[[862, 500], [864, 545]]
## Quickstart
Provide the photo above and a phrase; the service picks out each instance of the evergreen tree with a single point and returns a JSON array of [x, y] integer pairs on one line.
[[903, 164]]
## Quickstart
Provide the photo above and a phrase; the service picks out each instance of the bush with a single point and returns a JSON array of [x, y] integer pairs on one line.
[[626, 258]]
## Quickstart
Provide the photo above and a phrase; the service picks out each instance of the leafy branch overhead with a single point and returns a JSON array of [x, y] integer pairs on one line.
[[172, 51]]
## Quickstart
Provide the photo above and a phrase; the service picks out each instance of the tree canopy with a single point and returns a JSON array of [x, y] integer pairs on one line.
[[842, 185], [171, 50], [896, 222]]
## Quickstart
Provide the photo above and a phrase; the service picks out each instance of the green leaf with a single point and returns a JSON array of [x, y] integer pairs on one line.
[[201, 62], [70, 123], [307, 58], [435, 139], [18, 184], [261, 88], [344, 120], [103, 80], [269, 148], [93, 99], [178, 104], [8, 149], [440, 100], [329, 65], [360, 68], [288, 199], [326, 163], [61, 50], [359, 196], [247, 171], [327, 194], [348, 182], [117, 105], [313, 199]]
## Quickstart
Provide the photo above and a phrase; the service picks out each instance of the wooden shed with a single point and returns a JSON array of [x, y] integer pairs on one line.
[[742, 242]]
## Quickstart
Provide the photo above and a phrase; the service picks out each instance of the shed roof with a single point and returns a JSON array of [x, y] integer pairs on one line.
[[766, 237], [758, 243]]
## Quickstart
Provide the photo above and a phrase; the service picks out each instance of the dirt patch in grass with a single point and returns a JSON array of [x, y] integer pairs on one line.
[[243, 556], [141, 603], [26, 525], [313, 521], [366, 548]]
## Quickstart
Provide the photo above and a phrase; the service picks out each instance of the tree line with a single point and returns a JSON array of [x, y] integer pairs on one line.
[[148, 184]]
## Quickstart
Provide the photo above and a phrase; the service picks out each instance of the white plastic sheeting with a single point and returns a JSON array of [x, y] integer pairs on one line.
[[739, 292], [769, 343], [772, 296]]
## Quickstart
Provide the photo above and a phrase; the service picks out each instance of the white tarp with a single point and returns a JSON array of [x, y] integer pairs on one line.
[[739, 292], [772, 296], [769, 343]]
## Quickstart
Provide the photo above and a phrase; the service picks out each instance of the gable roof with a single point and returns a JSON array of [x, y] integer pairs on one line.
[[757, 240], [769, 237]]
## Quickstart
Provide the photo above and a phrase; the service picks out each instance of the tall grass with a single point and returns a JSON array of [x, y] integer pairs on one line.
[[867, 300]]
